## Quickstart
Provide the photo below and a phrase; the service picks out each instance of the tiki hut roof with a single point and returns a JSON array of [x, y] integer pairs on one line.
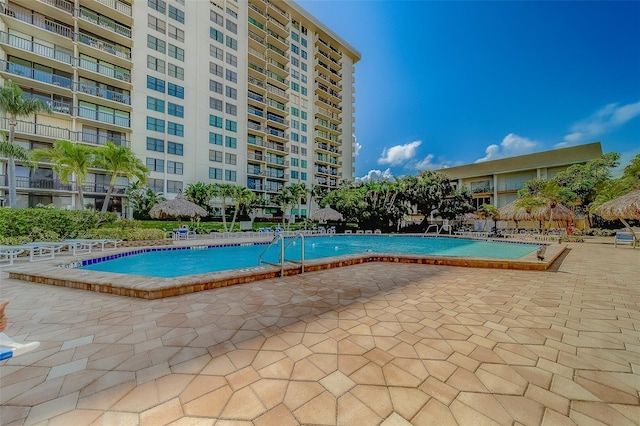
[[178, 207], [513, 212], [624, 207], [326, 214]]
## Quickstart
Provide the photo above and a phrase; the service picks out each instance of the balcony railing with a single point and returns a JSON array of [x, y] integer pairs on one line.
[[32, 128], [34, 74], [108, 71], [277, 91], [272, 117], [255, 81], [255, 8], [276, 132], [37, 48], [255, 111], [37, 19], [277, 105], [105, 46], [256, 67], [256, 37], [65, 5], [255, 97], [104, 22], [103, 93], [105, 117], [117, 5]]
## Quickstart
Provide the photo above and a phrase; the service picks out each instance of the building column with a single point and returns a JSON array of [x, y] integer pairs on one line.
[[495, 190]]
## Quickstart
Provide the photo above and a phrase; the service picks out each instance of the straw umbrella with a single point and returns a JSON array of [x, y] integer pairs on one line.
[[179, 207], [624, 207], [327, 214], [512, 212]]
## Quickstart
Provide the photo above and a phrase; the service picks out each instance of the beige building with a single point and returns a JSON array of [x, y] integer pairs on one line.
[[497, 182], [254, 93]]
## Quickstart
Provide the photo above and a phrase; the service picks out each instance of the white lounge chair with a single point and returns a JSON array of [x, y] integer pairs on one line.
[[624, 237], [10, 348], [42, 250], [9, 253]]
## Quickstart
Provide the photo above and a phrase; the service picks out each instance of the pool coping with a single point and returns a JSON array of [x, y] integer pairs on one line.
[[64, 274]]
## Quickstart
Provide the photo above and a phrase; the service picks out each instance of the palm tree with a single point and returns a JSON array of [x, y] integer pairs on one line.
[[10, 150], [298, 191], [69, 159], [224, 191], [242, 197], [488, 211], [119, 161], [538, 193], [284, 199], [14, 105]]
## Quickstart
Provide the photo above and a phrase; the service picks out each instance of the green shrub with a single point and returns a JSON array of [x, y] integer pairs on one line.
[[50, 224]]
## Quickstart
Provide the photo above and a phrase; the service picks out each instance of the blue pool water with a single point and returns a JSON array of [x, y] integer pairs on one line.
[[200, 260]]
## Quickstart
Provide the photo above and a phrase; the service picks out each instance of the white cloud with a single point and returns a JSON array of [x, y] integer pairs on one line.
[[427, 163], [398, 154], [376, 175], [357, 147], [510, 146], [601, 122]]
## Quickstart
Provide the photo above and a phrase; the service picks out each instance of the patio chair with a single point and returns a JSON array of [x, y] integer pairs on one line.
[[624, 237], [9, 348], [9, 253]]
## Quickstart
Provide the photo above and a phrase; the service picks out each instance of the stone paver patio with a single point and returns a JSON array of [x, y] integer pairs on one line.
[[371, 344]]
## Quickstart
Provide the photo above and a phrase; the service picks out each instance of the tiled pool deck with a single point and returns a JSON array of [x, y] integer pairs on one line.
[[51, 272], [376, 343]]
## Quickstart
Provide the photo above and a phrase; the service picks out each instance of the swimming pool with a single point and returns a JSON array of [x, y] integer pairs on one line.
[[184, 261]]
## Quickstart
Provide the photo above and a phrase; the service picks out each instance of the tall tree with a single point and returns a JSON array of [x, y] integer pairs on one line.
[[224, 191], [242, 198], [117, 161], [14, 105], [284, 199], [486, 212], [298, 191], [11, 150], [201, 193], [142, 199], [538, 193], [69, 159]]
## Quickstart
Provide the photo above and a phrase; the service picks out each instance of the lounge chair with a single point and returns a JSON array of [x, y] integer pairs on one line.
[[80, 246], [42, 250], [624, 237], [368, 232], [10, 348], [9, 253], [359, 231], [377, 232]]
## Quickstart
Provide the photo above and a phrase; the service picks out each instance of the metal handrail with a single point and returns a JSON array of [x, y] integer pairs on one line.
[[276, 239], [295, 237]]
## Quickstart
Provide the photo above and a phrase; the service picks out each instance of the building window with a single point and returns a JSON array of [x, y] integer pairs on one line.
[[295, 62], [303, 115], [303, 78], [216, 18], [215, 173], [155, 124], [295, 162], [232, 76], [294, 137], [175, 90], [174, 186], [216, 87], [174, 148], [303, 163], [216, 69], [232, 59], [155, 164], [155, 64], [156, 185], [294, 174], [232, 13], [175, 129], [154, 144], [231, 109], [304, 91], [294, 36], [156, 23], [303, 139], [177, 14], [216, 35], [215, 121], [158, 5], [176, 72], [230, 175], [230, 158], [155, 84], [231, 126], [175, 110], [304, 42], [215, 52], [303, 175], [176, 33], [295, 111], [303, 53], [155, 104], [176, 52], [232, 26], [294, 149], [174, 167], [295, 87], [230, 142], [215, 104], [295, 49], [231, 92], [156, 44], [232, 43], [215, 156], [215, 138], [303, 127]]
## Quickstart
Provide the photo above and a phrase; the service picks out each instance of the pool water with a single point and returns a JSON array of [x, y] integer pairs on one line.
[[201, 260]]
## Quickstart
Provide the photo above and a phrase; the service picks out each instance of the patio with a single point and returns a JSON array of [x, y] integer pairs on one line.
[[378, 343]]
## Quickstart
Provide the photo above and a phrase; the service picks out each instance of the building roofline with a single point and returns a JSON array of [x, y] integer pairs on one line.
[[561, 156], [354, 52]]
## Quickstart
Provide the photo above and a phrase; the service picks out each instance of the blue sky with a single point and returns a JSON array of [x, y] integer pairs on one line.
[[448, 83]]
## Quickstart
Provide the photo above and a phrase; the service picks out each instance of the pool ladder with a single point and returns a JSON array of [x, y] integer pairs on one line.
[[280, 239]]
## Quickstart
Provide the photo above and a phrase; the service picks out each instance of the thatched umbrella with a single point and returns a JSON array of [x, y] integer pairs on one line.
[[512, 212], [327, 214], [624, 207], [179, 207]]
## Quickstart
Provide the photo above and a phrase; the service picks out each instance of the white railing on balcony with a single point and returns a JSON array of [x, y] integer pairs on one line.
[[37, 48], [37, 19], [105, 46], [277, 91], [278, 105], [104, 22], [103, 93], [255, 81], [65, 5], [278, 64], [276, 77], [105, 117], [257, 54], [255, 8], [256, 37], [256, 67], [278, 37], [277, 50], [117, 5], [255, 126], [276, 147], [108, 70], [35, 74], [273, 5]]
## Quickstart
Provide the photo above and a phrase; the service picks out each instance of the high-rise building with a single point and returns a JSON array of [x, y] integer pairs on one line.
[[255, 93]]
